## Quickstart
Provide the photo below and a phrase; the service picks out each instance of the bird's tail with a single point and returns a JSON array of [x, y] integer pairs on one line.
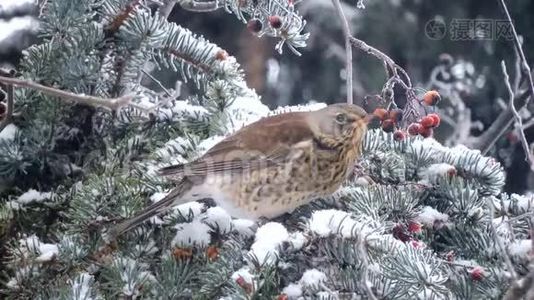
[[184, 186]]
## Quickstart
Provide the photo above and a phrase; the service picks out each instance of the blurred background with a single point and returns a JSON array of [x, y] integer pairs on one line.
[[453, 46]]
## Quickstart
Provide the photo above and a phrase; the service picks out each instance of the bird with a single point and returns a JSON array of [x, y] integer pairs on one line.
[[269, 167]]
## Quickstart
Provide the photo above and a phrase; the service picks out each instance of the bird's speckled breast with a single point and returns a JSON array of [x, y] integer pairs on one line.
[[275, 190]]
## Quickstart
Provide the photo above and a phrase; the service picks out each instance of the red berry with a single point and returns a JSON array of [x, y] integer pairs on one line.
[[254, 25], [426, 132], [381, 113], [221, 55], [427, 122], [388, 125], [431, 98], [414, 227], [396, 115], [435, 118], [282, 297], [275, 21], [414, 129], [399, 135], [477, 273], [399, 232]]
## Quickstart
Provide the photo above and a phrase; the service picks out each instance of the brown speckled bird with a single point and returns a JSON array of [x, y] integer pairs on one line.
[[271, 166]]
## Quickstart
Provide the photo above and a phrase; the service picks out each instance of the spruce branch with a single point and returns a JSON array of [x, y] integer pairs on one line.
[[348, 49], [113, 104], [500, 243]]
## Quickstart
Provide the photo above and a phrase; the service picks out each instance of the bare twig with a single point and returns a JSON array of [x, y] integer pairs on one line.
[[517, 42], [147, 74], [348, 49], [9, 110], [505, 119], [112, 104], [204, 6], [166, 9], [517, 117]]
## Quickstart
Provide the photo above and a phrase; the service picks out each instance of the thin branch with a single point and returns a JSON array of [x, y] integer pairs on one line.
[[112, 104], [517, 43], [517, 117], [389, 63], [348, 49], [165, 10], [147, 74], [204, 6], [9, 110]]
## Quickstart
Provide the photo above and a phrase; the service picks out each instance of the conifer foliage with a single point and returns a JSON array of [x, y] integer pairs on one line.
[[417, 220]]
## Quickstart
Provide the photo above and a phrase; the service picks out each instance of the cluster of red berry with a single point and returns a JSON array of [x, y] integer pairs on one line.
[[424, 127], [388, 118], [255, 25]]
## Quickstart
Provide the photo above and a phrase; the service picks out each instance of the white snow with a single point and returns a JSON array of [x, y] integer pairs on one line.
[[312, 278], [208, 143], [158, 196], [33, 196], [244, 273], [244, 227], [10, 130], [193, 207], [293, 291], [192, 234], [11, 27], [520, 248], [268, 239], [332, 221], [218, 218], [7, 6], [434, 171], [429, 216], [32, 245], [297, 240]]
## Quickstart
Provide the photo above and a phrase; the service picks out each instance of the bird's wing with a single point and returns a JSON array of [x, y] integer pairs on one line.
[[262, 143]]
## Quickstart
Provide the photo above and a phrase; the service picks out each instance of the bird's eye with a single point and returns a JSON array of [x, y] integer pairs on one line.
[[341, 118]]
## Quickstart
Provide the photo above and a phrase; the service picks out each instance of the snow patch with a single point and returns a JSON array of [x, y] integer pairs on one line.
[[33, 196], [520, 248], [332, 221], [218, 218], [429, 216], [8, 133], [192, 234], [268, 239], [244, 227]]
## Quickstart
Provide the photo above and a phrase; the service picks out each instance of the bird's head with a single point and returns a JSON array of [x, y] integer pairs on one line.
[[347, 122]]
